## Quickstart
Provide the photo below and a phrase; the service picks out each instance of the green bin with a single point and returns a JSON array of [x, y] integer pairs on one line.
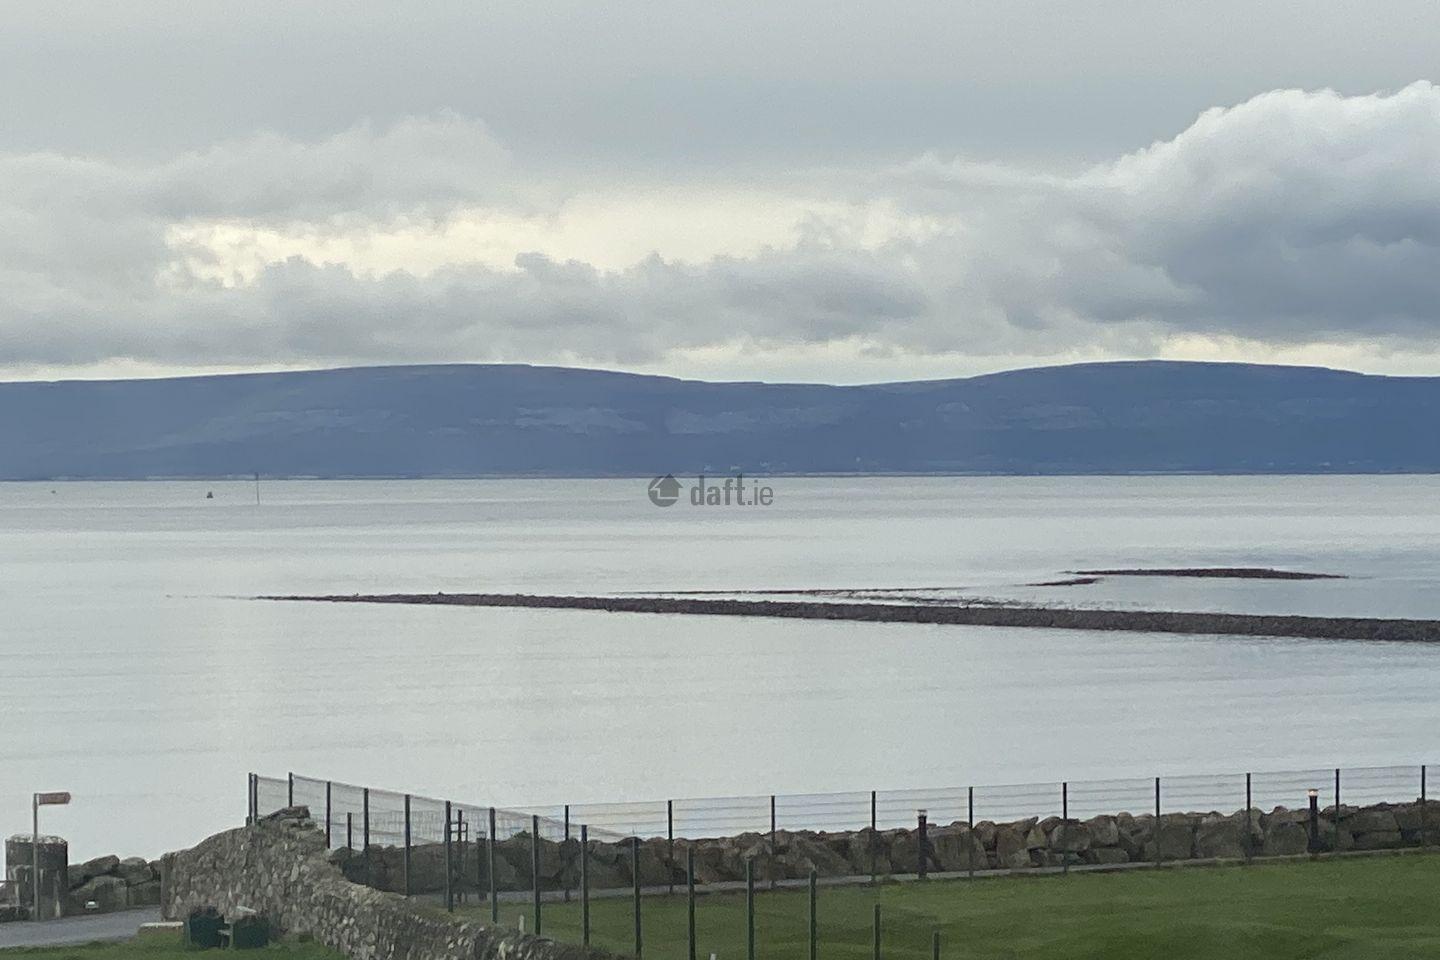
[[202, 928], [249, 933]]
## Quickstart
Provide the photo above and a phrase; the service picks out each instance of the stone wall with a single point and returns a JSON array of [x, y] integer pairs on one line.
[[279, 867], [1014, 845]]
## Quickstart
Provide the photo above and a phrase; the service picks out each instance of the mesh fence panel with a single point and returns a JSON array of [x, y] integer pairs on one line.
[[1094, 798], [355, 815], [1369, 785], [1017, 802], [1222, 793], [1289, 789]]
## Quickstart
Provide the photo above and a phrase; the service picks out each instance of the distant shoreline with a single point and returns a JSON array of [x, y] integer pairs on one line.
[[1055, 618]]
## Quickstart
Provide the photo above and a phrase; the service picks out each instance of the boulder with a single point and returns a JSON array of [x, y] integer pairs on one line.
[[1378, 840], [106, 893], [1068, 836], [1220, 838], [145, 894], [1172, 839], [98, 867], [955, 849], [1104, 831], [1411, 818], [134, 871], [801, 854], [1011, 851], [985, 830], [867, 846], [1285, 838], [1036, 838], [1371, 820]]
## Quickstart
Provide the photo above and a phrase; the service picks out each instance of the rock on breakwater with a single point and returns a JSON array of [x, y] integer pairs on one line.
[[1055, 618]]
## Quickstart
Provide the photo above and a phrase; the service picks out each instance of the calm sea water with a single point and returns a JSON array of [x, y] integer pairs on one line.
[[134, 673]]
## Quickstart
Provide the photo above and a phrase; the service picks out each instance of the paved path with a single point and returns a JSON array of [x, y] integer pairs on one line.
[[104, 926]]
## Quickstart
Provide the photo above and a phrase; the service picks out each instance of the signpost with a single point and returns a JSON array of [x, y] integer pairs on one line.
[[38, 800]]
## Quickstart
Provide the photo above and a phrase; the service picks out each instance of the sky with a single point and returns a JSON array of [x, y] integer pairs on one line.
[[820, 191]]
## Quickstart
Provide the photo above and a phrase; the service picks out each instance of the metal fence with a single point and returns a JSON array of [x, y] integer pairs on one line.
[[456, 851]]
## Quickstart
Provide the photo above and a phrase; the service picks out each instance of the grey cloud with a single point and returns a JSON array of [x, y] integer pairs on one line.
[[1292, 218]]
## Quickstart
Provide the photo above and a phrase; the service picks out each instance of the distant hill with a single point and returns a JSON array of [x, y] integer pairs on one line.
[[468, 420]]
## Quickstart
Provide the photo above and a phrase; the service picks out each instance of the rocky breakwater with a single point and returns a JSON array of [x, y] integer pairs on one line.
[[110, 883], [1030, 843], [279, 867]]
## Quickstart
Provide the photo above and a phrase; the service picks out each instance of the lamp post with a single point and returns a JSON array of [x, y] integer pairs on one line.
[[38, 800], [1314, 796]]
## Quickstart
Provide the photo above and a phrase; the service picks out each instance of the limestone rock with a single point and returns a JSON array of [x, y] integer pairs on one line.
[[107, 893], [1173, 839], [1069, 837], [1220, 838], [1104, 831], [1285, 838], [134, 870]]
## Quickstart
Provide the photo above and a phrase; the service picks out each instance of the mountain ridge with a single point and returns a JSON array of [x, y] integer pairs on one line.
[[438, 420]]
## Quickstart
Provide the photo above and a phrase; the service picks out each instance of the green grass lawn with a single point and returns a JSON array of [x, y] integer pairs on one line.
[[167, 946], [1372, 908]]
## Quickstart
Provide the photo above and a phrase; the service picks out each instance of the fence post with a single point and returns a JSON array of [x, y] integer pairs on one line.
[[290, 790], [585, 884], [365, 818], [327, 815], [749, 908], [349, 831], [1423, 841], [564, 873], [535, 866], [1249, 834], [971, 821], [460, 845], [490, 869], [874, 842], [249, 799], [935, 945], [772, 841], [814, 919], [921, 837], [876, 949], [449, 893], [635, 875], [406, 860], [1156, 831], [690, 897], [1335, 831], [1064, 822], [670, 844]]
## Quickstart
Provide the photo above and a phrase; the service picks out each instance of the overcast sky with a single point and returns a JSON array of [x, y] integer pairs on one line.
[[796, 190]]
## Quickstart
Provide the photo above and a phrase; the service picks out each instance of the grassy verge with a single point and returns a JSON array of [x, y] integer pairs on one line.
[[166, 946], [1356, 908]]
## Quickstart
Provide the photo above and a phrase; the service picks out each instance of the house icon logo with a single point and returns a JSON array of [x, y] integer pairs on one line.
[[664, 491]]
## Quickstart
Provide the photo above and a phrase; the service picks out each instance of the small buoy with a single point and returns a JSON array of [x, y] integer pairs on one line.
[[209, 494]]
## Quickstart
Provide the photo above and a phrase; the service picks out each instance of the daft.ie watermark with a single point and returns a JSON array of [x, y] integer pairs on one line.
[[733, 491]]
